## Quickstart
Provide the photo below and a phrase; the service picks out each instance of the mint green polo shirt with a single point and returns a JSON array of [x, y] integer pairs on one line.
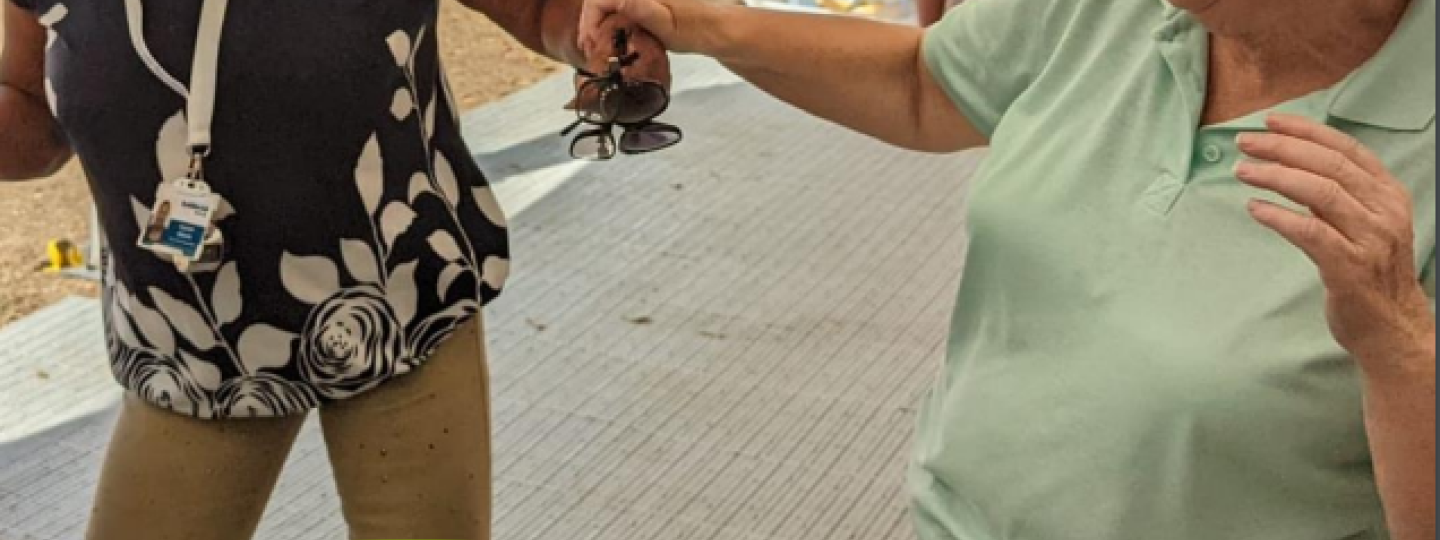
[[1133, 357]]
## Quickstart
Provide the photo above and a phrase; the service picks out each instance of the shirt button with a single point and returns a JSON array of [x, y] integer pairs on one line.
[[1212, 153]]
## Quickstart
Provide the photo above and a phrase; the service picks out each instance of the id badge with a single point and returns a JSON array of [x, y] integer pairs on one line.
[[180, 220]]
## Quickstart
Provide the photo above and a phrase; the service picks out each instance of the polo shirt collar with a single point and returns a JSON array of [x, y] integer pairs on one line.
[[1394, 90]]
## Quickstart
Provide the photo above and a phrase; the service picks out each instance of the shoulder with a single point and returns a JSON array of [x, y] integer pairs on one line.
[[1039, 30], [1103, 16]]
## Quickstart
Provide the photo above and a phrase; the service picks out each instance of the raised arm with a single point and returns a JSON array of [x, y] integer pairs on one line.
[[865, 75], [549, 27], [545, 26], [31, 145]]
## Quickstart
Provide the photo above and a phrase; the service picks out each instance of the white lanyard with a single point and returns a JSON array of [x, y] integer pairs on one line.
[[181, 224], [200, 98]]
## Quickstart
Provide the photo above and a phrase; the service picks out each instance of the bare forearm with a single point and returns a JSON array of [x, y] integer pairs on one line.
[[558, 27], [865, 75], [1400, 421], [547, 27], [30, 144]]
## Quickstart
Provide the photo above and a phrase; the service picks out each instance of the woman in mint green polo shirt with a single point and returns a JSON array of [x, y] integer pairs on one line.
[[1198, 301]]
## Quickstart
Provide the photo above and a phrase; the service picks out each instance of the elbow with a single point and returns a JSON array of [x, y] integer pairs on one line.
[[525, 21], [32, 145], [34, 165], [549, 30], [15, 174]]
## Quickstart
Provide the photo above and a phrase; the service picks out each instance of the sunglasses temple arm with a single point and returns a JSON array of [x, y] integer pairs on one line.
[[570, 128]]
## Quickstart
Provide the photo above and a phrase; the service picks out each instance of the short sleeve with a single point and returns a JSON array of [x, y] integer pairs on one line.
[[985, 53]]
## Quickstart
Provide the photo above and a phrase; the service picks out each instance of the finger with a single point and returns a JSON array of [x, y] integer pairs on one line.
[[1329, 137], [593, 14], [1320, 242], [1321, 195], [601, 49], [1308, 156], [1388, 196]]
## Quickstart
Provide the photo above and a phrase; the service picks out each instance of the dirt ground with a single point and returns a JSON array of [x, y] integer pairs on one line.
[[484, 64]]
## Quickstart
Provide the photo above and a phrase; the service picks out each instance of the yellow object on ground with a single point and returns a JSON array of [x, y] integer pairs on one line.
[[62, 255]]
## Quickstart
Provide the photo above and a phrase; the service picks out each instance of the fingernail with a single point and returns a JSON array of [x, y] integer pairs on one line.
[[1259, 206], [1243, 169], [1244, 139]]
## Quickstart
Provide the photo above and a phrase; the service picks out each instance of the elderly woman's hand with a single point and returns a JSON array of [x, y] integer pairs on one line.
[[653, 62], [677, 24], [1360, 236]]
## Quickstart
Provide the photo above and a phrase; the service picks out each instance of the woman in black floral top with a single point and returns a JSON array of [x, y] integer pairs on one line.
[[359, 239]]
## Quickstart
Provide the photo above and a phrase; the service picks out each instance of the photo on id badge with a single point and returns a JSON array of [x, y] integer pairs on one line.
[[180, 219]]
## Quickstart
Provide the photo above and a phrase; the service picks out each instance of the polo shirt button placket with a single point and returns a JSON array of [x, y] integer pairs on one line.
[[1162, 194]]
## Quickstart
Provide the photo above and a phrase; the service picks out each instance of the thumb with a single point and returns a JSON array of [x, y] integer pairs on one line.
[[653, 16]]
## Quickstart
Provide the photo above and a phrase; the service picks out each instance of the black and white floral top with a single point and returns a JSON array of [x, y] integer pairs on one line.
[[359, 231]]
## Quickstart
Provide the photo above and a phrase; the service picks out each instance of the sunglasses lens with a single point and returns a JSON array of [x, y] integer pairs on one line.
[[649, 138], [642, 101], [593, 146], [597, 105]]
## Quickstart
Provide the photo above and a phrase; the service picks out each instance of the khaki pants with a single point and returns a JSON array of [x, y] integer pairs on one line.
[[411, 460]]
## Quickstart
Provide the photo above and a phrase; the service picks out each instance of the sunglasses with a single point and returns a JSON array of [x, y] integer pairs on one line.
[[608, 100]]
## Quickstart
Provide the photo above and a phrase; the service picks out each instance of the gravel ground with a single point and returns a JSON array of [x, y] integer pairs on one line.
[[484, 64]]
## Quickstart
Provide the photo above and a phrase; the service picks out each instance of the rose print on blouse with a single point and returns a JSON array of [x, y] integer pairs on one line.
[[354, 335], [150, 362], [354, 340], [263, 395]]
